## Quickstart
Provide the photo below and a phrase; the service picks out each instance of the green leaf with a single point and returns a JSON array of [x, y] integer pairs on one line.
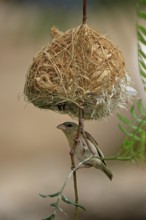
[[137, 129], [130, 135], [142, 1], [141, 53], [142, 122], [143, 136], [127, 144], [140, 106], [50, 195], [132, 111], [54, 204], [142, 29], [142, 14], [134, 137], [54, 194], [142, 73], [44, 196], [141, 38], [51, 217], [123, 130], [66, 200], [142, 64], [124, 119]]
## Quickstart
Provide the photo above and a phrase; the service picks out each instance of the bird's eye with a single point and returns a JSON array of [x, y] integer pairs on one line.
[[69, 125]]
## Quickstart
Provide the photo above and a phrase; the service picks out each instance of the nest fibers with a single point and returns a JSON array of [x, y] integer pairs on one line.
[[78, 65]]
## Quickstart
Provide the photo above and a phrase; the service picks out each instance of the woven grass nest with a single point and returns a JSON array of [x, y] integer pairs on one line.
[[78, 65]]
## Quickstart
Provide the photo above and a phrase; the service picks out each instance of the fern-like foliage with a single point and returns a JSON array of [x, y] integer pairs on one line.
[[134, 145], [141, 35]]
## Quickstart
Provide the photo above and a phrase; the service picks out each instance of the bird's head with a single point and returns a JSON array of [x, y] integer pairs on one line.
[[68, 127]]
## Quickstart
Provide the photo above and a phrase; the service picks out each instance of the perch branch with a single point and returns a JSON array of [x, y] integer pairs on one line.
[[74, 178], [72, 153]]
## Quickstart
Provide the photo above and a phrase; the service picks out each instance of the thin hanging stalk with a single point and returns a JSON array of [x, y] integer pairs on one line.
[[80, 129], [72, 153], [84, 12]]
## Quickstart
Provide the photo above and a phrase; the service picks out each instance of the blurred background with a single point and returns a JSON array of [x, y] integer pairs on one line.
[[34, 155]]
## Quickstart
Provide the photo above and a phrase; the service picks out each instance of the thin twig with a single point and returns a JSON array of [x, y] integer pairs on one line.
[[84, 12], [72, 153], [74, 178], [118, 158], [60, 193], [80, 127]]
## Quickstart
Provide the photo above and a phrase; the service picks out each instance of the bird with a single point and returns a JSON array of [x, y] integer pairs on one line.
[[82, 151]]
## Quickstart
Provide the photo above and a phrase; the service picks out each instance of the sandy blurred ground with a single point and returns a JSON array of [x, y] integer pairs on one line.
[[33, 153]]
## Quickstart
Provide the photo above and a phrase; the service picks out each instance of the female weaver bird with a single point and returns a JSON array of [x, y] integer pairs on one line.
[[82, 151]]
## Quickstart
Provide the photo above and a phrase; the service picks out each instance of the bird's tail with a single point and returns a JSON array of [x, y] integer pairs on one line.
[[107, 171]]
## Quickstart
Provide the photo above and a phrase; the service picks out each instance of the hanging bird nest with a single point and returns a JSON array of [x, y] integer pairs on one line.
[[80, 65]]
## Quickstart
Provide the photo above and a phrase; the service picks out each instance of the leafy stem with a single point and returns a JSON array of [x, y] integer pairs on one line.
[[61, 197]]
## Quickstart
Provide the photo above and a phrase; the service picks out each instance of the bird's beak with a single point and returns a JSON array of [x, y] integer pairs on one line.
[[61, 127]]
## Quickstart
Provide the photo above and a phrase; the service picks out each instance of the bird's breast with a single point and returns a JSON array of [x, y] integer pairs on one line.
[[81, 152]]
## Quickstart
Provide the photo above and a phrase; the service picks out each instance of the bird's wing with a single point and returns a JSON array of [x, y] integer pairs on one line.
[[92, 140]]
